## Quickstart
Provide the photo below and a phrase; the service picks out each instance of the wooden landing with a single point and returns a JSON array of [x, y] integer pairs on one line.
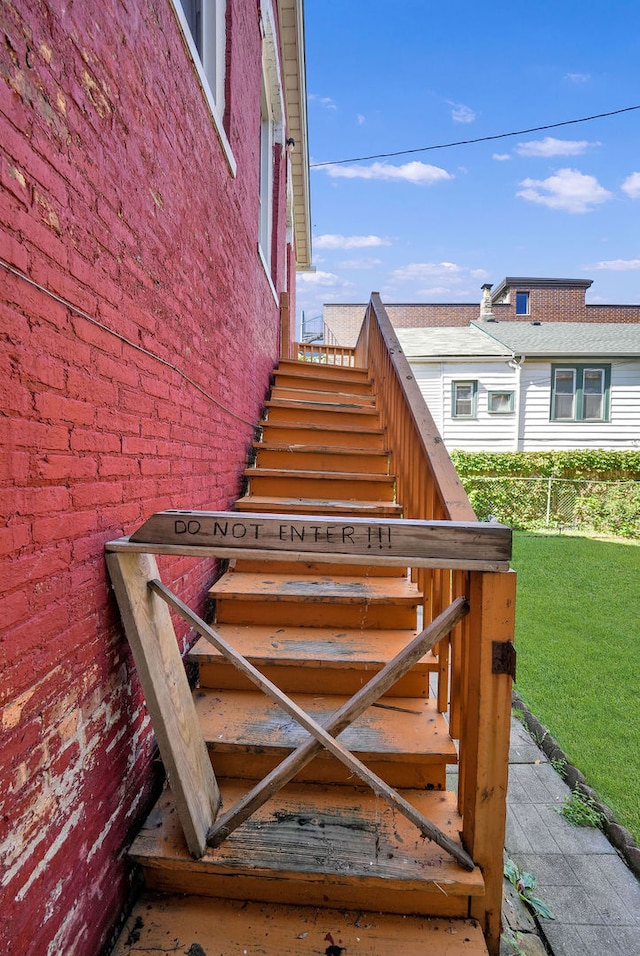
[[320, 847], [171, 925]]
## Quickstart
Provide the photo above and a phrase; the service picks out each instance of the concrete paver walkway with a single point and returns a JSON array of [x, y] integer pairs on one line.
[[594, 896]]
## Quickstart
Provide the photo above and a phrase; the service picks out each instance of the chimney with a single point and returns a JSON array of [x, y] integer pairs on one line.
[[486, 313]]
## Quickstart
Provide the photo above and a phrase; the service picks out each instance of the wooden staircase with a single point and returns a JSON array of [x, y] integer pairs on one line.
[[326, 865]]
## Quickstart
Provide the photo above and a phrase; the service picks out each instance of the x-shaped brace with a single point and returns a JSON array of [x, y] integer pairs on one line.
[[324, 736]]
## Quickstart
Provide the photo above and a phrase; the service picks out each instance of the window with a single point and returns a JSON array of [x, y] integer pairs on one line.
[[500, 403], [580, 393], [266, 177], [206, 22], [464, 397], [522, 303]]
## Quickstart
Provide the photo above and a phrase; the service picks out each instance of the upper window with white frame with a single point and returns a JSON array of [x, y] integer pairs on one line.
[[206, 22], [522, 303], [580, 393], [464, 399]]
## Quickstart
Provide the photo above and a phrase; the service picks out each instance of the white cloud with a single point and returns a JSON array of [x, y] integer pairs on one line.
[[361, 263], [568, 189], [415, 172], [324, 101], [461, 113], [319, 278], [549, 146], [501, 157], [577, 77], [439, 280], [360, 119], [631, 186], [617, 265], [333, 241]]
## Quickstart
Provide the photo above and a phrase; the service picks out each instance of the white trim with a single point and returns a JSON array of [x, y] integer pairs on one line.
[[216, 115], [267, 272]]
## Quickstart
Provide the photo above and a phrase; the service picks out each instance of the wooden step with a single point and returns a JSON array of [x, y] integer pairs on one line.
[[320, 413], [317, 506], [320, 458], [403, 740], [355, 385], [348, 437], [318, 601], [292, 656], [315, 484], [335, 396], [171, 925], [318, 371], [309, 567], [318, 846]]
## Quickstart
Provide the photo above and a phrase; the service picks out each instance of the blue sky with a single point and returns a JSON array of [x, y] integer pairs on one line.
[[433, 226]]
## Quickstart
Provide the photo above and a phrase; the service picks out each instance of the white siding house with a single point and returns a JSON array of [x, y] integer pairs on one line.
[[513, 386]]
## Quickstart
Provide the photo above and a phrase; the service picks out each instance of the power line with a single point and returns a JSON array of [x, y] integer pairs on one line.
[[480, 139]]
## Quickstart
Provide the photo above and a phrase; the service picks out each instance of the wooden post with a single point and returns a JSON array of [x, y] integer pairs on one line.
[[286, 338], [484, 745], [150, 633]]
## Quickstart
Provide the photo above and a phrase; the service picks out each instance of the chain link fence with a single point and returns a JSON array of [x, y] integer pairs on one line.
[[610, 507]]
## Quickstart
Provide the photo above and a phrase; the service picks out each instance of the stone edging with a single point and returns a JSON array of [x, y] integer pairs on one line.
[[618, 836]]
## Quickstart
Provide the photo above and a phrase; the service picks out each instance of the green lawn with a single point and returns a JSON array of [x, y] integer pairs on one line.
[[578, 644]]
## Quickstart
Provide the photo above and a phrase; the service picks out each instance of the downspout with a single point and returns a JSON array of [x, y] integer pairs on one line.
[[516, 364]]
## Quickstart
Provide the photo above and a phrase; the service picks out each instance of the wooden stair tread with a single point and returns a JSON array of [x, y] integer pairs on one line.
[[243, 586], [294, 474], [323, 427], [294, 379], [401, 729], [167, 925], [305, 448], [306, 833], [323, 406], [309, 394], [327, 371], [312, 647], [317, 506]]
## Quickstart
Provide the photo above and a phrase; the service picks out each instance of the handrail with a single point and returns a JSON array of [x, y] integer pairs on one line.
[[379, 350]]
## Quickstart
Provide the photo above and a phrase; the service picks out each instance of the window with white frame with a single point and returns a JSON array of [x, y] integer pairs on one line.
[[580, 393], [522, 303], [266, 175], [206, 22], [500, 403], [464, 399], [271, 129]]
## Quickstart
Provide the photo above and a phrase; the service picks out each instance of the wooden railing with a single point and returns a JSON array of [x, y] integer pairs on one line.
[[325, 354], [476, 661]]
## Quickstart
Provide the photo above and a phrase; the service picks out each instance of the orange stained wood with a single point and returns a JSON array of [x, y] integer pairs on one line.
[[319, 413], [320, 458], [168, 925], [315, 845], [315, 600], [327, 485], [298, 377], [280, 504], [337, 396], [401, 736], [336, 435], [318, 371], [309, 659]]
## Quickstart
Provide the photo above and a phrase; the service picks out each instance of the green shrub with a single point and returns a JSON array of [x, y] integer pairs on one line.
[[585, 463]]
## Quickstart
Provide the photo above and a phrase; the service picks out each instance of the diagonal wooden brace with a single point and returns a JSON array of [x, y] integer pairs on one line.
[[323, 736]]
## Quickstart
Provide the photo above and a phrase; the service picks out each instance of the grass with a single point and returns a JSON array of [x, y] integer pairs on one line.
[[578, 644]]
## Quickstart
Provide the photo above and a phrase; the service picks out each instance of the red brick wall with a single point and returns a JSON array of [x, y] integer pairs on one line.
[[114, 195]]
